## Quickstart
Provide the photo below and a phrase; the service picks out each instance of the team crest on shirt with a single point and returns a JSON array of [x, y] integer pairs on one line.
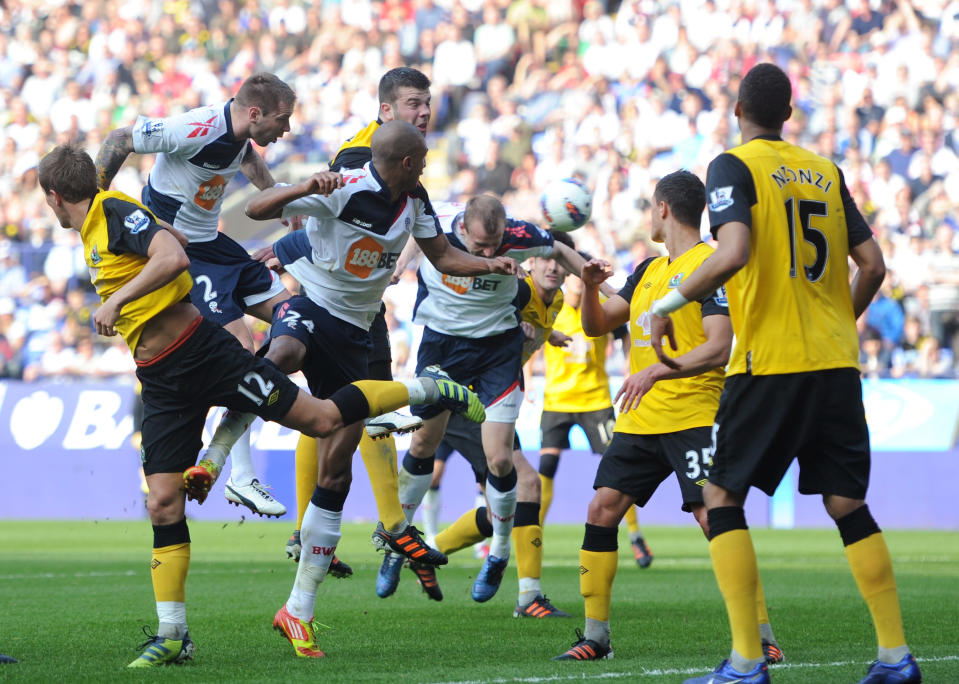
[[720, 297], [136, 222], [676, 280], [95, 257], [721, 198], [151, 128]]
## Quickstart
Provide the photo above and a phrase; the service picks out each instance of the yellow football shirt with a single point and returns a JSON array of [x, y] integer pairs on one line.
[[116, 236], [791, 304], [576, 379], [681, 403], [541, 316]]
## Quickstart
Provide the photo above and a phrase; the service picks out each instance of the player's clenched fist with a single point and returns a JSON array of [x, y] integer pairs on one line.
[[596, 271], [324, 182], [504, 266]]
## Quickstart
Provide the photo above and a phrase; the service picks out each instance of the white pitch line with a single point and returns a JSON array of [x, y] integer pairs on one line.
[[671, 672]]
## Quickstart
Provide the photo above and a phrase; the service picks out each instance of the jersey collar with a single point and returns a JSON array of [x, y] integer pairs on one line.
[[769, 136], [228, 119]]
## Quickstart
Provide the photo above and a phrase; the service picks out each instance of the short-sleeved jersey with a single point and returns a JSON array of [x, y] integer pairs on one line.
[[116, 237], [679, 403], [355, 152], [576, 378], [475, 306], [791, 304], [353, 237], [197, 155], [537, 313]]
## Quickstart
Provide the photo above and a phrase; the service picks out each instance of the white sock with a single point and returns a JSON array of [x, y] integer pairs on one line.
[[171, 616], [319, 535], [502, 508], [241, 462], [232, 426], [431, 512], [529, 589], [412, 490], [598, 631], [418, 393]]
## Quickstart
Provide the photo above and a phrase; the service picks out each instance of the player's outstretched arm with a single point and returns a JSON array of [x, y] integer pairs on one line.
[[599, 319], [573, 262], [872, 270], [451, 261], [165, 261], [113, 152], [269, 203], [712, 353]]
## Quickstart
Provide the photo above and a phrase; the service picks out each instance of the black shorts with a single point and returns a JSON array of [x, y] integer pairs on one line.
[[490, 366], [380, 354], [227, 280], [598, 425], [337, 352], [208, 368], [466, 437], [765, 421], [637, 464]]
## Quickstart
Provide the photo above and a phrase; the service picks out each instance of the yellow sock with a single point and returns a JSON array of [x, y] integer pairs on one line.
[[734, 562], [871, 566], [307, 465], [383, 396], [462, 533], [528, 542], [546, 497], [379, 457], [597, 570], [762, 616], [632, 522], [169, 568]]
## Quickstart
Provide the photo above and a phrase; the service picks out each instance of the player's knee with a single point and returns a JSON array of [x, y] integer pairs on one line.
[[287, 354], [499, 465], [163, 505]]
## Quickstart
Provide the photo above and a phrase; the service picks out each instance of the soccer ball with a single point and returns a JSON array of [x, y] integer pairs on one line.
[[566, 204]]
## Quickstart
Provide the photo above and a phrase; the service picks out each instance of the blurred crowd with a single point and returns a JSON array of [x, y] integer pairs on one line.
[[524, 91]]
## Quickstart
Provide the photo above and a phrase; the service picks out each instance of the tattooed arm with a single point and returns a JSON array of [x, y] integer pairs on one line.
[[255, 169], [113, 152]]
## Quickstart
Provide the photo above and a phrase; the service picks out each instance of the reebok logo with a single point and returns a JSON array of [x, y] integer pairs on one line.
[[201, 128]]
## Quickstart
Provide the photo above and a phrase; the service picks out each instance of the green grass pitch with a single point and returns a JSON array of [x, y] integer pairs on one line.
[[73, 596]]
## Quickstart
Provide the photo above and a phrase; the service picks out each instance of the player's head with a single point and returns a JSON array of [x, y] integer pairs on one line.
[[681, 195], [67, 175], [548, 274], [764, 96], [405, 96], [399, 154], [268, 103], [484, 221]]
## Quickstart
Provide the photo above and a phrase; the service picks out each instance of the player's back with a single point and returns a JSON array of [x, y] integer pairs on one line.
[[116, 237], [790, 305]]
